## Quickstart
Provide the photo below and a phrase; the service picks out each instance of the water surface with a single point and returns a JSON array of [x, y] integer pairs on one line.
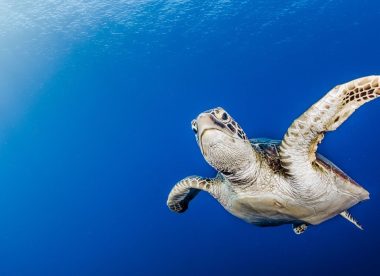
[[96, 102]]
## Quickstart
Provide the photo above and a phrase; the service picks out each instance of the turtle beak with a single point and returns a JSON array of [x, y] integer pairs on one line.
[[194, 126], [203, 123]]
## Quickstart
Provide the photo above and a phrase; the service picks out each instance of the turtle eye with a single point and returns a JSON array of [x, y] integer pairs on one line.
[[220, 114]]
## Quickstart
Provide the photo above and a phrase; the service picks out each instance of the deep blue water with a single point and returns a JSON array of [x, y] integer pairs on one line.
[[96, 101]]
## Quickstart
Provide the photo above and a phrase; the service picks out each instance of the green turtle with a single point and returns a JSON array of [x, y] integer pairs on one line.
[[269, 182]]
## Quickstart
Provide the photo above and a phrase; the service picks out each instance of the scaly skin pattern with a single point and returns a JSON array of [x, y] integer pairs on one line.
[[270, 200], [268, 182], [298, 148], [185, 190]]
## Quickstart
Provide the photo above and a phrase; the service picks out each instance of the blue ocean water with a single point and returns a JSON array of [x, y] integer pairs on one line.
[[96, 99]]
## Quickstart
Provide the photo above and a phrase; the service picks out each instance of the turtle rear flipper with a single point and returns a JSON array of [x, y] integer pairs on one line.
[[299, 228], [351, 219]]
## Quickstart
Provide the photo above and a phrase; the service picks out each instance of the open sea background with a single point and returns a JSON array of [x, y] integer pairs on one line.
[[96, 99]]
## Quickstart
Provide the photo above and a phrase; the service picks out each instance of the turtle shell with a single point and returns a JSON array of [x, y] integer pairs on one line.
[[269, 151]]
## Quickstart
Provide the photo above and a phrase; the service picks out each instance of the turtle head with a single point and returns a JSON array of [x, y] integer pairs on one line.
[[222, 141]]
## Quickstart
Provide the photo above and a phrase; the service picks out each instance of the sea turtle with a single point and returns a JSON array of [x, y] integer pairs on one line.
[[269, 182]]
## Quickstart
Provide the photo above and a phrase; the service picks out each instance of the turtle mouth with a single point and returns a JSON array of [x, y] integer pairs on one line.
[[213, 144], [200, 139]]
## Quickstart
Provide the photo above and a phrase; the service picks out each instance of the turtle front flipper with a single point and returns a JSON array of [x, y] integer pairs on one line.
[[186, 189], [299, 146], [299, 228]]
